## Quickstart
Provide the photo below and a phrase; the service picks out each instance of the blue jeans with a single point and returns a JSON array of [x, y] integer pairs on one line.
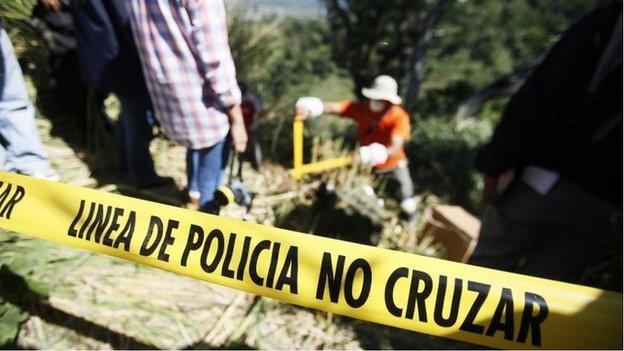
[[204, 169], [134, 138], [23, 150]]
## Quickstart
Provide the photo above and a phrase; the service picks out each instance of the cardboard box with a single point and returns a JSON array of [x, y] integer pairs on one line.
[[454, 228]]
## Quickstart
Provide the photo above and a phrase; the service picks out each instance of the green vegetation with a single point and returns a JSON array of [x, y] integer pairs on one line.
[[469, 45]]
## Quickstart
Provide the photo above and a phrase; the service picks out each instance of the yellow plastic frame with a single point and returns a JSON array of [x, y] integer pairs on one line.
[[299, 169]]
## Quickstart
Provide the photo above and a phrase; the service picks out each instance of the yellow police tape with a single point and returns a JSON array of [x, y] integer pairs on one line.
[[426, 295]]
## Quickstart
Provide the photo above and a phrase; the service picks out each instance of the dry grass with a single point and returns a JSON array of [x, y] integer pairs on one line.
[[156, 308]]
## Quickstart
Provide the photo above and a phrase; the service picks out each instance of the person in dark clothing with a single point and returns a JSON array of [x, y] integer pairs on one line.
[[55, 26], [252, 109], [109, 61], [553, 168]]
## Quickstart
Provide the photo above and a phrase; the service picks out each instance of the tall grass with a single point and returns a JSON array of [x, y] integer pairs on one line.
[[16, 9], [15, 14]]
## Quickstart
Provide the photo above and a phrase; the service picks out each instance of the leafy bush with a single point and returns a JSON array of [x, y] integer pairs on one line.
[[441, 155]]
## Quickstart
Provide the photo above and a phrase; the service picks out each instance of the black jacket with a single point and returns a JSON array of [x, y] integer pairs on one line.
[[108, 56], [557, 122]]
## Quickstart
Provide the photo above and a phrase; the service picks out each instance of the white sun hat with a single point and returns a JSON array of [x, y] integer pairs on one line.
[[383, 88]]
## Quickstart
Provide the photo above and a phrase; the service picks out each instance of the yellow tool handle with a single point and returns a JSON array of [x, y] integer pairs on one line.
[[299, 169], [321, 166], [298, 142]]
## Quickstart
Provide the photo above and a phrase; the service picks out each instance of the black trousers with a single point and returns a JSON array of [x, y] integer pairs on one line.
[[552, 236]]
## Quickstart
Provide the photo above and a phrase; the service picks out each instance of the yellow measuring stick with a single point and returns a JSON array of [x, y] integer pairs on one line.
[[299, 169], [298, 142], [321, 166]]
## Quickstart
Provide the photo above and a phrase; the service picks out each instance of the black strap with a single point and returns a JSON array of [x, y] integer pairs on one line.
[[239, 174]]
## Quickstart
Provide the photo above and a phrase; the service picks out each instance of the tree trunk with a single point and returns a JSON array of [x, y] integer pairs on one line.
[[424, 33]]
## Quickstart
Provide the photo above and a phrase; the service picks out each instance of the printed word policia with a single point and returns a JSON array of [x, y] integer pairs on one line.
[[240, 257]]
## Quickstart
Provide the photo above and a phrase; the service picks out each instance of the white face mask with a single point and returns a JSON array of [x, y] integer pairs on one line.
[[376, 105]]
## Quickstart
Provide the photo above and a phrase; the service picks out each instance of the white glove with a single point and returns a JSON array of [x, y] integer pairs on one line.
[[373, 154], [313, 104], [409, 206]]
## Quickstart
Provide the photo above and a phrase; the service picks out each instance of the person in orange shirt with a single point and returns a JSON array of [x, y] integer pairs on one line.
[[383, 128]]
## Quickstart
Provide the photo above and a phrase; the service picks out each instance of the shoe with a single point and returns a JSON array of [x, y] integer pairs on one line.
[[47, 174], [155, 182], [192, 200]]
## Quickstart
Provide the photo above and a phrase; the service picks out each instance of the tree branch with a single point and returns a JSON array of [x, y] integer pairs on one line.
[[506, 84], [423, 34], [334, 5]]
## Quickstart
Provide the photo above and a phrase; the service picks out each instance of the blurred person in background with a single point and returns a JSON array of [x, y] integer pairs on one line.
[[23, 151], [252, 107], [553, 168], [109, 62], [190, 74], [383, 128], [55, 26]]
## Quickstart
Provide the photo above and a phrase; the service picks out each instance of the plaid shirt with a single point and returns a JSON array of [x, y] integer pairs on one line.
[[188, 67]]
